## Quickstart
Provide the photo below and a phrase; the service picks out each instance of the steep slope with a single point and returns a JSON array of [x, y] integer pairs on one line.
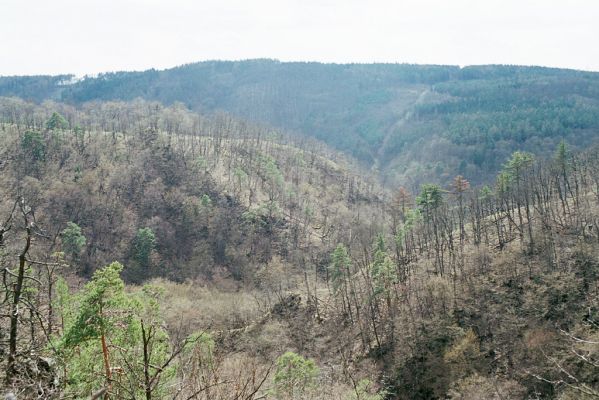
[[218, 195], [412, 123], [269, 257]]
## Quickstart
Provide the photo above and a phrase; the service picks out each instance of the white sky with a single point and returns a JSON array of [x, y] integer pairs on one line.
[[90, 36]]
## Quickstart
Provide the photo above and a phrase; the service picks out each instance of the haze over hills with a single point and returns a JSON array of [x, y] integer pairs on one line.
[[299, 200], [411, 123], [226, 252]]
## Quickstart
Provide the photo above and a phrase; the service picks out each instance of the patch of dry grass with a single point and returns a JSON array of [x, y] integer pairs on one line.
[[195, 306]]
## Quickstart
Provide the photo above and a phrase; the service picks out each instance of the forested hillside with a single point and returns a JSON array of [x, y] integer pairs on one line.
[[152, 252], [411, 123], [215, 192]]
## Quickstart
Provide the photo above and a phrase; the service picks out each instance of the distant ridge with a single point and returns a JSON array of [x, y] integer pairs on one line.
[[410, 122]]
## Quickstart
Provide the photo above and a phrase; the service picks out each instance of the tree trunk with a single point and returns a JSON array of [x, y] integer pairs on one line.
[[14, 309]]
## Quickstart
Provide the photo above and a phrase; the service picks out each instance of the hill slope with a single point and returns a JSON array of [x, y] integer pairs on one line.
[[218, 194], [279, 271], [412, 123]]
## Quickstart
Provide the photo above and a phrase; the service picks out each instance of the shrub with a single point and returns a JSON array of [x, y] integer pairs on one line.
[[294, 376]]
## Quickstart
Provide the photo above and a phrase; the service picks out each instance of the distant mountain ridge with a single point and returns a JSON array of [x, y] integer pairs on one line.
[[412, 123]]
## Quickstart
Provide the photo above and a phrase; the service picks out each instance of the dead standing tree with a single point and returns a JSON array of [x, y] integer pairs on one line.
[[14, 281]]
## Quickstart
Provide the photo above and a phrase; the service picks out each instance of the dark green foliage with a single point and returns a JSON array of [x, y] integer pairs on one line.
[[33, 145], [383, 271], [56, 122], [430, 197], [106, 327], [143, 244], [340, 266], [72, 239], [518, 163], [36, 88], [205, 201], [294, 375], [103, 294]]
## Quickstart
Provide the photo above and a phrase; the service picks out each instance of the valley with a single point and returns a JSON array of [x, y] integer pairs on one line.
[[151, 251]]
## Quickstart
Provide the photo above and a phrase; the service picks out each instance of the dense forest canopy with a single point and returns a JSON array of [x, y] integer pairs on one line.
[[410, 123]]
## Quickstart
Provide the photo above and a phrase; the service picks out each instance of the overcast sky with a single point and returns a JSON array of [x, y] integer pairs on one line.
[[90, 36]]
